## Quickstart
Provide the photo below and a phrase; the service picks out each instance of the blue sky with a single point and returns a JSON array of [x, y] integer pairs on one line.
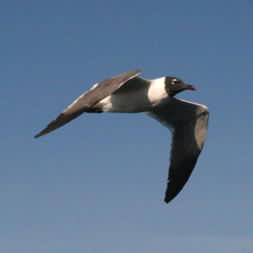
[[97, 184]]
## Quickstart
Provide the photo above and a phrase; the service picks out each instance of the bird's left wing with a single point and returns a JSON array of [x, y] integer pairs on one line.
[[88, 99], [188, 123]]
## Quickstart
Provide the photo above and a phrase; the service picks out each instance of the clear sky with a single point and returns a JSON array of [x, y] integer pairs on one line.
[[97, 185]]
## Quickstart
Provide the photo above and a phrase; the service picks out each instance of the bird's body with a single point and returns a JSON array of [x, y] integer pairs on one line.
[[137, 95], [129, 93]]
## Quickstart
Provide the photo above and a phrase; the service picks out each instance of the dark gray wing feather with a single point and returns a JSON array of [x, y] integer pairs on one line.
[[88, 99], [189, 123]]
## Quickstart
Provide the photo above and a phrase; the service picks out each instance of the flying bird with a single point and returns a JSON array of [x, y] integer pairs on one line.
[[127, 92]]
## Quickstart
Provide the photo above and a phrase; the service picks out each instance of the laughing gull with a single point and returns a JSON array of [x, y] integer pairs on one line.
[[127, 92]]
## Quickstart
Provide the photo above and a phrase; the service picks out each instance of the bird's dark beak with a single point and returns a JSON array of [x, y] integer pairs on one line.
[[190, 87]]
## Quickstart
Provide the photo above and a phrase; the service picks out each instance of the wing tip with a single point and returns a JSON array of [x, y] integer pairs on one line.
[[41, 133], [36, 136], [169, 198], [166, 201]]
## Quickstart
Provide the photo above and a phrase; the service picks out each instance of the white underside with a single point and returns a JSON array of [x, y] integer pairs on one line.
[[139, 100]]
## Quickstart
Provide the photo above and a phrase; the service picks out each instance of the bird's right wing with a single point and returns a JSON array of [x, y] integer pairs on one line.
[[88, 99], [188, 123]]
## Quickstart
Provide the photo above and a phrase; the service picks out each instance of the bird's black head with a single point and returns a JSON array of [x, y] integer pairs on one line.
[[175, 85]]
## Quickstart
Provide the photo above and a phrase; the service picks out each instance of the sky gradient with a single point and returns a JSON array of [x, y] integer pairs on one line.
[[97, 184]]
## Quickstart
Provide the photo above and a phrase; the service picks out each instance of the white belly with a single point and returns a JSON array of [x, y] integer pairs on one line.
[[139, 100], [124, 103]]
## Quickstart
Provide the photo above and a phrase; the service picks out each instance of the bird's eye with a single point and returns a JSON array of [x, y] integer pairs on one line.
[[174, 81]]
